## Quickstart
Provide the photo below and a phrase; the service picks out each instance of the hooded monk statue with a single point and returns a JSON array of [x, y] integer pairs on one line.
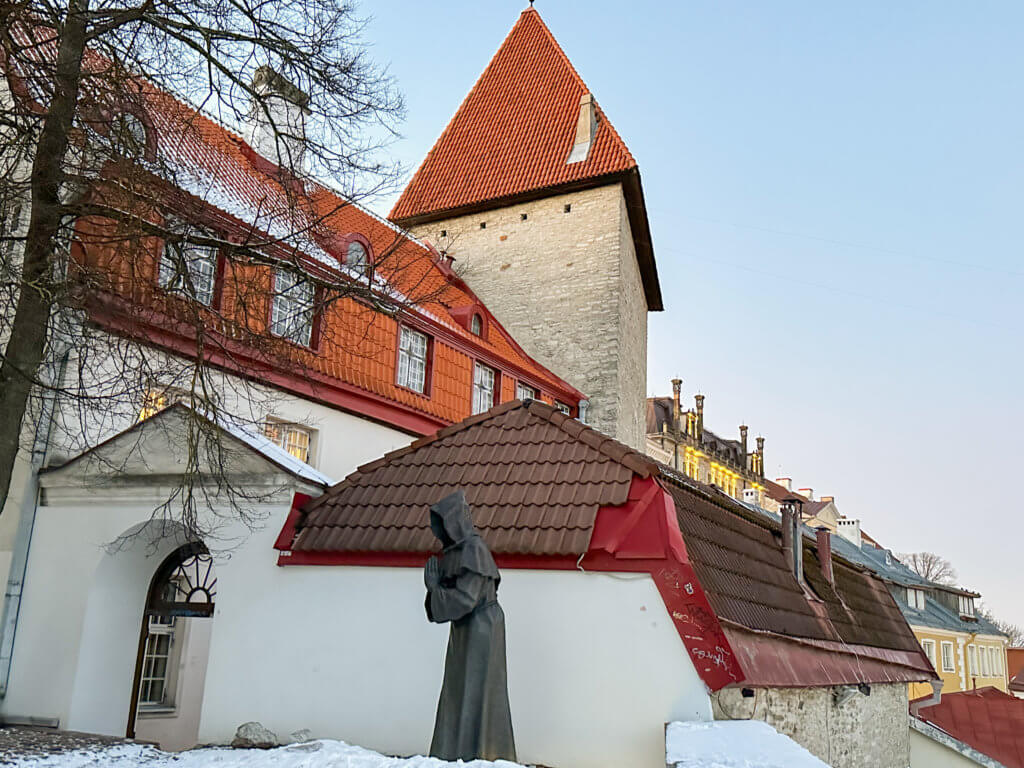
[[473, 716]]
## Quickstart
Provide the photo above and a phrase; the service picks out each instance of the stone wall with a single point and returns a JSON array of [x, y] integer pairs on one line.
[[566, 285], [864, 732]]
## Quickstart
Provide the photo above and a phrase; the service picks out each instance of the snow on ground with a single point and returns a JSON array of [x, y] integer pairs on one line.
[[734, 744], [310, 754]]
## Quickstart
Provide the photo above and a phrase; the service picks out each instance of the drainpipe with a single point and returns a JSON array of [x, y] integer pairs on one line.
[[30, 503], [931, 701]]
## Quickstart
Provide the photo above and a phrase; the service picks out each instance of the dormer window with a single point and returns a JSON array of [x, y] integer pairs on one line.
[[357, 258], [966, 606], [476, 325], [916, 598], [128, 135], [189, 269]]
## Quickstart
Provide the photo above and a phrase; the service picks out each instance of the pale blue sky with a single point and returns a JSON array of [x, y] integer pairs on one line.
[[834, 192]]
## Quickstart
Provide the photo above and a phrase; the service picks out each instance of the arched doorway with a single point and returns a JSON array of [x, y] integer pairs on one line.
[[170, 666]]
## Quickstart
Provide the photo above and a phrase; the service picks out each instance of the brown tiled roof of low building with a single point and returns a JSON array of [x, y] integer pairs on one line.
[[534, 477]]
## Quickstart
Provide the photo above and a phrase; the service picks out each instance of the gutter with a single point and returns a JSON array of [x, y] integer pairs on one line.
[[939, 736], [26, 522], [931, 701]]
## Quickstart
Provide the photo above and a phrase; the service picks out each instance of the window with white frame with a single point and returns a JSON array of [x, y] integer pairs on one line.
[[189, 269], [948, 663], [972, 660], [412, 360], [526, 392], [291, 315], [997, 660], [157, 398], [984, 666], [563, 408], [483, 388], [966, 605], [294, 438], [357, 258], [156, 683], [476, 325], [915, 598], [929, 651]]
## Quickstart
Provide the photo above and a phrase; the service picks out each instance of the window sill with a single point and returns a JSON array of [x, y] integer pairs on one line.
[[146, 713], [410, 390]]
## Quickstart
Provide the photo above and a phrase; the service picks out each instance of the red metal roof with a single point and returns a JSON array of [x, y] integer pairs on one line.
[[514, 131], [987, 719]]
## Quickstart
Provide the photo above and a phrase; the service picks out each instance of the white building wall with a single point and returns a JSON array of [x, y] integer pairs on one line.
[[595, 666]]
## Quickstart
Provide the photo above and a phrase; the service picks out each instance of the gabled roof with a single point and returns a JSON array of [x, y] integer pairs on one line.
[[510, 140], [986, 719], [539, 483]]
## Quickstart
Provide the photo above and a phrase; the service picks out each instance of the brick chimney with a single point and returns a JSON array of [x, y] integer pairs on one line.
[[807, 492], [277, 125], [785, 482], [743, 445], [825, 554]]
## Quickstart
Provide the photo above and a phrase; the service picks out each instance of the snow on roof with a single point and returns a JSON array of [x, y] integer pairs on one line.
[[734, 744], [322, 754]]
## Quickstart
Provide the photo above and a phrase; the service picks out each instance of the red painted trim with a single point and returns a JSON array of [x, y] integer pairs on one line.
[[641, 536], [287, 534]]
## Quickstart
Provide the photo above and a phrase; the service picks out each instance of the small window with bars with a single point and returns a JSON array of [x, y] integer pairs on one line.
[[294, 438], [483, 388], [291, 315], [189, 270], [412, 360], [526, 392]]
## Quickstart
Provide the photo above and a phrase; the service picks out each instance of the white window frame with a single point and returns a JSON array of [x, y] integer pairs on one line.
[[292, 307], [357, 257], [916, 598], [972, 660], [157, 630], [295, 439], [476, 324], [485, 383], [526, 392], [563, 408], [413, 359], [984, 662], [929, 651], [966, 605], [997, 660], [189, 269], [945, 646]]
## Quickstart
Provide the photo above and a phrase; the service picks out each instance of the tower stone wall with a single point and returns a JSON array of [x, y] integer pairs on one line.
[[561, 275]]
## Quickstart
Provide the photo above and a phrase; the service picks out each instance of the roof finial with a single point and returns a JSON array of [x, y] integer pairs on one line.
[[531, 3]]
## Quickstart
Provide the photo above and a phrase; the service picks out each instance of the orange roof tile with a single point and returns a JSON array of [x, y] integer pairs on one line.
[[514, 131]]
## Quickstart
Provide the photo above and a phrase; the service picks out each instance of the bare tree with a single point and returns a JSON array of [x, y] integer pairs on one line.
[[108, 177], [929, 566], [1014, 631]]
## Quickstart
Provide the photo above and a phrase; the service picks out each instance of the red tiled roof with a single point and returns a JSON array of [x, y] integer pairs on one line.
[[215, 166], [987, 719], [536, 481], [514, 131]]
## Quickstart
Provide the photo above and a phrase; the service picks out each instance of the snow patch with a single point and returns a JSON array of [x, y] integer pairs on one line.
[[734, 744], [319, 754]]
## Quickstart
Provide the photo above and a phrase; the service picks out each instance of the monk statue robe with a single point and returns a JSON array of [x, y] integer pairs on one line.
[[473, 716]]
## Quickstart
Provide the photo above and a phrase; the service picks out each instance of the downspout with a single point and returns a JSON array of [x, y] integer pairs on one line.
[[931, 701], [29, 505]]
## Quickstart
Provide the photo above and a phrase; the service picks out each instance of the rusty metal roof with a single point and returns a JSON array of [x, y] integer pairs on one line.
[[534, 477]]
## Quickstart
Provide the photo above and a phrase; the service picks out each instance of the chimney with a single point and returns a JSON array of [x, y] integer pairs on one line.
[[808, 493], [743, 445], [825, 554], [677, 408], [586, 128], [792, 541], [827, 498], [700, 416], [785, 482], [752, 496], [760, 456], [849, 530], [277, 128]]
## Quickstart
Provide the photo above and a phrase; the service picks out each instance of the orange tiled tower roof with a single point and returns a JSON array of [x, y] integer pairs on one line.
[[511, 140], [514, 131]]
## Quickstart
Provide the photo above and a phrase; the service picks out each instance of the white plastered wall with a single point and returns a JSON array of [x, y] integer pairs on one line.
[[595, 666]]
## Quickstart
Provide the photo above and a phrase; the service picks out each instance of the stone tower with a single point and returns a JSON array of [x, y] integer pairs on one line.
[[537, 198]]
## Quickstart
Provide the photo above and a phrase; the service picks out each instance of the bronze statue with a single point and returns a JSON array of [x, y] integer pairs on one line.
[[473, 716]]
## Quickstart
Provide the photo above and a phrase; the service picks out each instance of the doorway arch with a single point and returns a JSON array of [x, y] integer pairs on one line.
[[183, 588]]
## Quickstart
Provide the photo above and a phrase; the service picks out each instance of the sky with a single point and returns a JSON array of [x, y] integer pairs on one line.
[[834, 192]]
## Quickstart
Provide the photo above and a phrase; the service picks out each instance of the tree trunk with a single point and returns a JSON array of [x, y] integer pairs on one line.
[[30, 328]]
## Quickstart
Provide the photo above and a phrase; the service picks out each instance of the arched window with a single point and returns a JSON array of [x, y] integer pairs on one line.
[[128, 134], [356, 257], [476, 325]]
